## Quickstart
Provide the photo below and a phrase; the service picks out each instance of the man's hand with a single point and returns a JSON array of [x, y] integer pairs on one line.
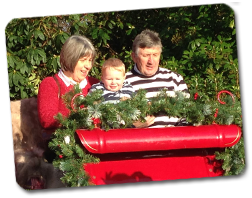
[[149, 121]]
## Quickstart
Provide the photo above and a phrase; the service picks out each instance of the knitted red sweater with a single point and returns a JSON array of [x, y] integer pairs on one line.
[[49, 104]]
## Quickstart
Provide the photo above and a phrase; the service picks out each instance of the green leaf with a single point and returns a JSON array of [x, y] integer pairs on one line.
[[42, 54], [20, 29], [54, 19], [94, 33], [35, 57], [234, 32], [65, 35], [184, 62], [99, 44], [76, 17], [100, 32], [110, 25], [220, 56], [17, 89], [10, 45], [41, 35], [81, 24], [57, 40], [129, 25], [201, 7], [10, 79], [15, 79], [112, 22], [104, 41], [106, 36], [128, 32], [22, 68], [23, 93], [193, 45], [231, 24], [19, 65], [54, 64], [58, 61], [10, 61], [29, 36], [35, 33], [187, 19], [62, 38], [121, 25], [197, 42], [32, 77], [30, 56], [12, 37], [76, 26]]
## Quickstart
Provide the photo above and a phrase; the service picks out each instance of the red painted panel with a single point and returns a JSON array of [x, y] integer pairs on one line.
[[152, 139], [153, 169], [156, 154]]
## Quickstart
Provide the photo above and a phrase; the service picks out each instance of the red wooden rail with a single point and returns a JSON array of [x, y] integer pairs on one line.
[[153, 139]]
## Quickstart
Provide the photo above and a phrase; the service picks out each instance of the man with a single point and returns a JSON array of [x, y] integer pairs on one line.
[[146, 74]]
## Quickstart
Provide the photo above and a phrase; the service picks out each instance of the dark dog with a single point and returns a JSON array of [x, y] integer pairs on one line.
[[33, 172], [32, 169]]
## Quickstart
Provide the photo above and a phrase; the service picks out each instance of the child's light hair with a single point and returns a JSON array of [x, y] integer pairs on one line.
[[113, 63]]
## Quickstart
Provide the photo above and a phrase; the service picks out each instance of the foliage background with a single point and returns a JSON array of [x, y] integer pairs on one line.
[[199, 43]]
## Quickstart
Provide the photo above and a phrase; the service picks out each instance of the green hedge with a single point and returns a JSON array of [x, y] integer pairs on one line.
[[199, 43]]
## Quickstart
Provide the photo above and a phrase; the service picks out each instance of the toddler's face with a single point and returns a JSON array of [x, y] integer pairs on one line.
[[112, 79]]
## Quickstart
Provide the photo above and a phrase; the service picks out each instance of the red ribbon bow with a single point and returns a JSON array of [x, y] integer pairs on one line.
[[195, 96], [96, 120]]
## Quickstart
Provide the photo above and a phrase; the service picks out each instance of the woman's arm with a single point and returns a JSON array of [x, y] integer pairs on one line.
[[48, 103]]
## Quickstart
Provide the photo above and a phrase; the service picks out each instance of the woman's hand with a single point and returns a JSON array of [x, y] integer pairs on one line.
[[149, 121]]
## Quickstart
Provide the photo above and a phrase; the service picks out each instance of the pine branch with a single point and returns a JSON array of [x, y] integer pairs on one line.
[[90, 110]]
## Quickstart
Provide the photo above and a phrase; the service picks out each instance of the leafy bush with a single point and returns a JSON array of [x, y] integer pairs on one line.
[[199, 43]]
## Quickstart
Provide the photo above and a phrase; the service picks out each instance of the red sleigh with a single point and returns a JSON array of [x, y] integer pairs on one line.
[[156, 154]]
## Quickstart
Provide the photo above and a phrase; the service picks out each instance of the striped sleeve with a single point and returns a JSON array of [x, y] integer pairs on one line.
[[111, 96], [163, 79], [96, 86]]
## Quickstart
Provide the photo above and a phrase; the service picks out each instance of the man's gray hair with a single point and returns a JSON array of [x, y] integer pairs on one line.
[[74, 48], [147, 38]]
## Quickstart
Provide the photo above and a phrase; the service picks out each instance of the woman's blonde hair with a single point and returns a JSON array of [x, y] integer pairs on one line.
[[74, 48]]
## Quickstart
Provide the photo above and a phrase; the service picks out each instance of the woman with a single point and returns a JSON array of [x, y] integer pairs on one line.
[[76, 59]]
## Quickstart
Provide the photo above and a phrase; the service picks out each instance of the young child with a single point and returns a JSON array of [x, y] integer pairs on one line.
[[112, 82]]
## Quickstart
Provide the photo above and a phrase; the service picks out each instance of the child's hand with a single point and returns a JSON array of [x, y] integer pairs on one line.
[[149, 121], [124, 98], [97, 102]]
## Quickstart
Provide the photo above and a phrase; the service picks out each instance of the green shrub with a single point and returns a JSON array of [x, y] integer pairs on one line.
[[199, 43]]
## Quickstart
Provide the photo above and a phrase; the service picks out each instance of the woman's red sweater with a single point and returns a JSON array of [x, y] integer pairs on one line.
[[50, 104]]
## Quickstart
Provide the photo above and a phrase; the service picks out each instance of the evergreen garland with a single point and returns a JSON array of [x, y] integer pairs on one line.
[[89, 111], [233, 159]]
